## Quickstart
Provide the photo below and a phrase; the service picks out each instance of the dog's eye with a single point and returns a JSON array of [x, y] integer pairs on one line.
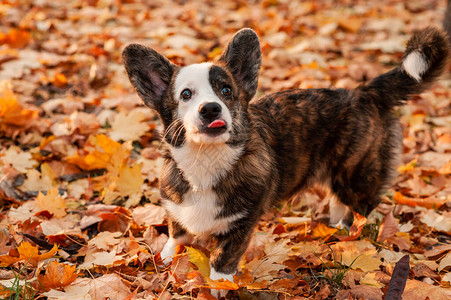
[[226, 91], [186, 94]]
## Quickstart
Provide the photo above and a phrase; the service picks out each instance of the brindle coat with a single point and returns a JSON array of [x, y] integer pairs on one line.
[[349, 140]]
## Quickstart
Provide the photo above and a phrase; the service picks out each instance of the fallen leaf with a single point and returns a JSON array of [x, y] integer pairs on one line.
[[199, 259], [149, 214], [388, 227], [105, 240], [370, 279], [399, 278], [16, 38], [429, 202], [351, 24], [128, 126], [445, 262], [322, 231], [366, 292], [57, 275], [19, 160], [52, 202], [417, 290], [440, 222], [11, 111], [29, 254]]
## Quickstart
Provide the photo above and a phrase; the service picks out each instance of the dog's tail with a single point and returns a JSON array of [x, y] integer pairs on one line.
[[423, 62]]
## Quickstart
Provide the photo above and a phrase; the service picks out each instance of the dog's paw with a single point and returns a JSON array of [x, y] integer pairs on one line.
[[341, 224], [168, 251], [214, 275], [218, 275]]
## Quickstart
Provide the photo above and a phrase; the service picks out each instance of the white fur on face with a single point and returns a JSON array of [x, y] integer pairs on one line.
[[415, 65], [196, 78]]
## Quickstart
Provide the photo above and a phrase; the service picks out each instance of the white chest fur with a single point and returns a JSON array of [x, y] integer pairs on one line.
[[198, 213], [202, 166]]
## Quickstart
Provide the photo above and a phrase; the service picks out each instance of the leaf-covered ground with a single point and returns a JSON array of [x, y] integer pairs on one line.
[[79, 162]]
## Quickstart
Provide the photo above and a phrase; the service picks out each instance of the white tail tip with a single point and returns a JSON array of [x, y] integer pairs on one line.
[[415, 65]]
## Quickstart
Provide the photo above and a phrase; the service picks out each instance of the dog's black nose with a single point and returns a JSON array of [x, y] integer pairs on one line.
[[210, 111]]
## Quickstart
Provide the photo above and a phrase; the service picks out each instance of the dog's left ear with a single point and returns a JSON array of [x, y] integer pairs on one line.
[[243, 59]]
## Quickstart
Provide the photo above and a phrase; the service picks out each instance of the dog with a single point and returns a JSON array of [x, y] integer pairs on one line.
[[229, 157]]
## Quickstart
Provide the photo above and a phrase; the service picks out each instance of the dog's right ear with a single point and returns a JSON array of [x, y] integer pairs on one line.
[[149, 72]]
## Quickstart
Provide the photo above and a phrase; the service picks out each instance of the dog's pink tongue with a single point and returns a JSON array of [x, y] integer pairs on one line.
[[216, 124]]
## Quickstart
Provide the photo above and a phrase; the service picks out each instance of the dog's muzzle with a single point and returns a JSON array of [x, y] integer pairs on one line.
[[210, 114]]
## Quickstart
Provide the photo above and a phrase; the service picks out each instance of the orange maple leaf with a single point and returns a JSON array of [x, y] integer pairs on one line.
[[58, 275], [11, 111], [16, 38], [323, 231], [29, 254], [100, 152]]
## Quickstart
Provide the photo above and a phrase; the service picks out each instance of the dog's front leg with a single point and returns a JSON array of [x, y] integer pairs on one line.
[[224, 259], [177, 236]]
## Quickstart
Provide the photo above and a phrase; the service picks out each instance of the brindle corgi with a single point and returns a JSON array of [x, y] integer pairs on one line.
[[229, 157]]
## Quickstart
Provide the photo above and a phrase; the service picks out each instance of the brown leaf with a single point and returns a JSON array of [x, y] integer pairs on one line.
[[398, 280], [388, 227], [355, 230], [418, 290]]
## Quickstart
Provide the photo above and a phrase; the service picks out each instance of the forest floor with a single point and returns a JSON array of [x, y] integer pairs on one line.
[[79, 161]]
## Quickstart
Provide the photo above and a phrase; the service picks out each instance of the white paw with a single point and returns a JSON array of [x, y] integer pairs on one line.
[[340, 225], [339, 213], [218, 275], [168, 251]]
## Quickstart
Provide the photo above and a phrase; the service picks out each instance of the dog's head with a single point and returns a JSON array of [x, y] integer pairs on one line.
[[201, 103]]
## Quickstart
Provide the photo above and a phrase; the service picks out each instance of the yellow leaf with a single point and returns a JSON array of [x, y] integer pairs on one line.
[[107, 144], [409, 166], [322, 231], [364, 262], [100, 152], [30, 254], [47, 171], [369, 279], [52, 202], [130, 180], [199, 259]]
